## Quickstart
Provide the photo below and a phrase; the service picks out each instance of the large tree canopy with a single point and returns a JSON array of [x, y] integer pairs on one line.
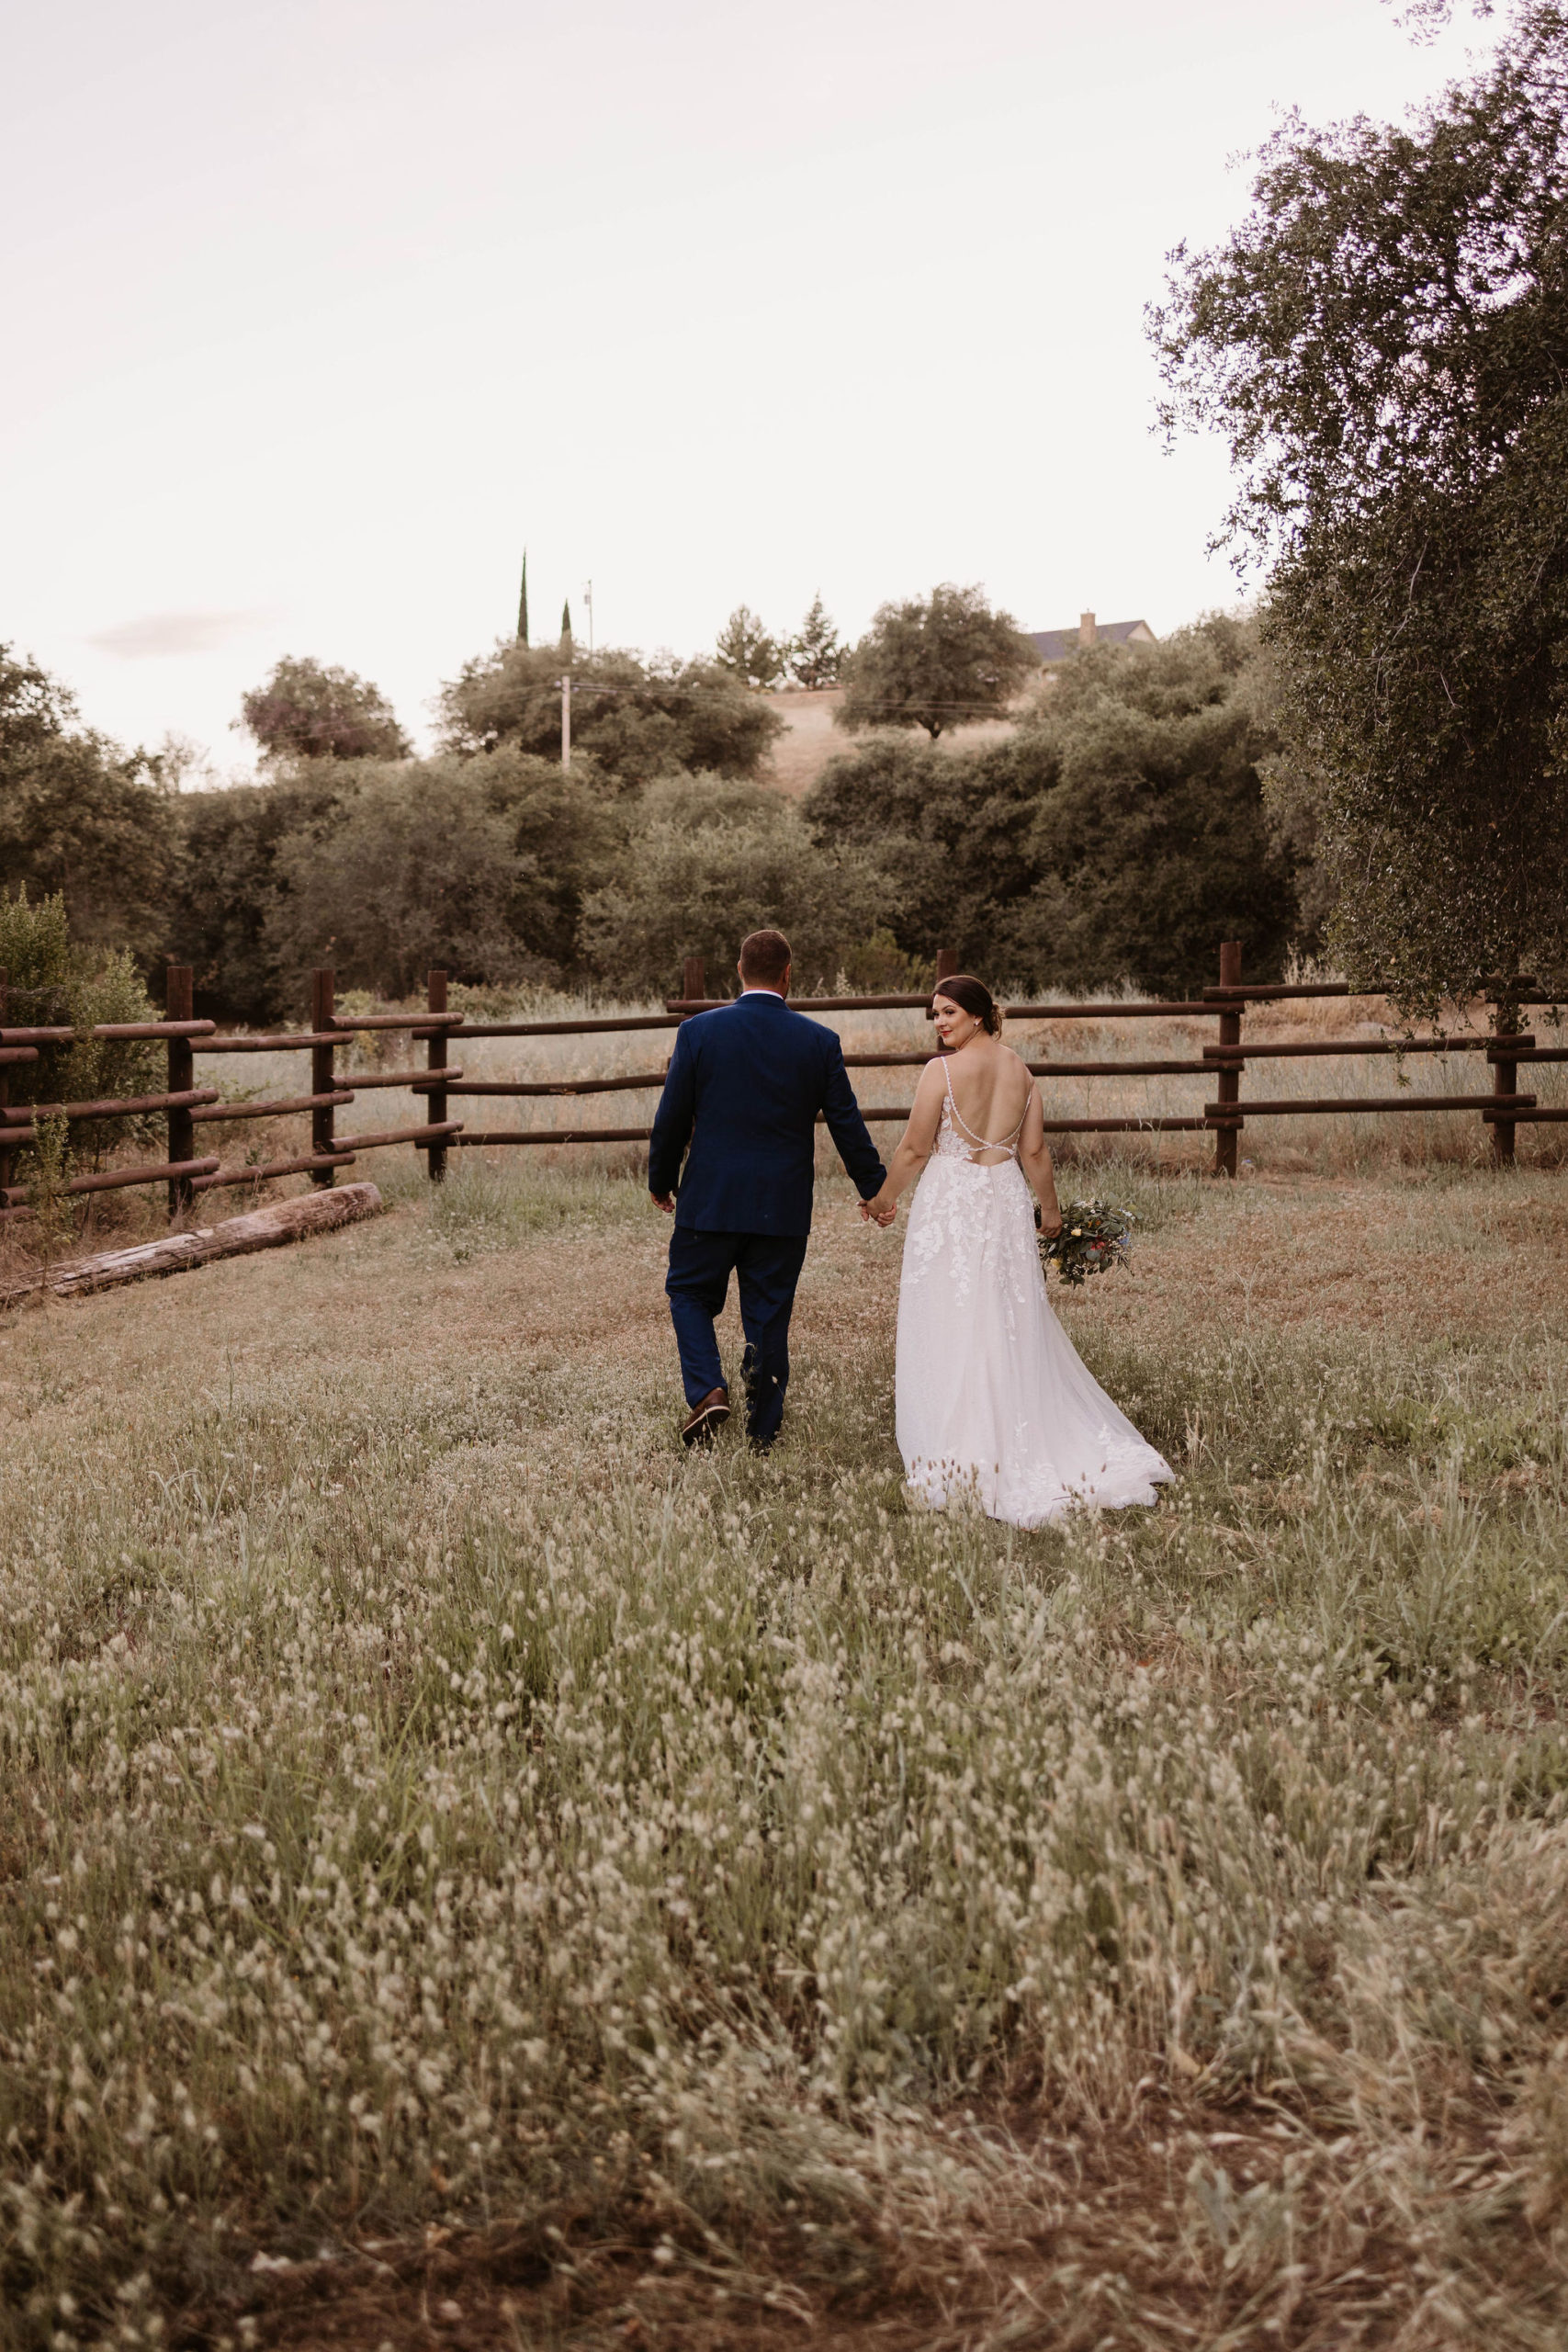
[[312, 711], [384, 869], [935, 661], [80, 817], [1384, 341], [638, 720]]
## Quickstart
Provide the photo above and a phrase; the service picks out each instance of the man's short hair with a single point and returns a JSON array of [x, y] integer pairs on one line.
[[764, 959]]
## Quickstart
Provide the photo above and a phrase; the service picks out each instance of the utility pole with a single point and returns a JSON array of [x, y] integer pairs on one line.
[[566, 721], [588, 600]]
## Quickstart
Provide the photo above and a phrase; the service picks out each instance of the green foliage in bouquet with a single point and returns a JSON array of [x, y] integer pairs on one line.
[[1095, 1236]]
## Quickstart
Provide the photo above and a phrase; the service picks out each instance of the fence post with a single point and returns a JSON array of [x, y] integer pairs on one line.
[[1505, 1080], [436, 1058], [324, 996], [946, 963], [693, 979], [178, 998], [1230, 1079]]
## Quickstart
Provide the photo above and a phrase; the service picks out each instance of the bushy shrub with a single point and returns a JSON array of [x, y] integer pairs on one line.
[[1150, 835], [54, 982], [384, 870], [1119, 834], [879, 966], [706, 862], [225, 920], [477, 865], [949, 829]]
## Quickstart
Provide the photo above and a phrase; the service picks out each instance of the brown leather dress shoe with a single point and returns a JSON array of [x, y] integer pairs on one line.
[[703, 1418]]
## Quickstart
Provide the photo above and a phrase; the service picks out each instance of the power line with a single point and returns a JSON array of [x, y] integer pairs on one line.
[[655, 690]]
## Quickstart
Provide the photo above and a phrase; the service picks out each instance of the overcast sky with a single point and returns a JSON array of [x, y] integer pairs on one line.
[[319, 310]]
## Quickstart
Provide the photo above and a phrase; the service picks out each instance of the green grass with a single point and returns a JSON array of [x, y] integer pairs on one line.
[[482, 1207], [711, 1859]]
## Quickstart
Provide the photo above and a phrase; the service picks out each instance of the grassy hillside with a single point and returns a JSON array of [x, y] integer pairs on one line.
[[810, 739]]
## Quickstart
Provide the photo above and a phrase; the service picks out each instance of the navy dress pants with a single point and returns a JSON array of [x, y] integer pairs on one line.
[[767, 1268]]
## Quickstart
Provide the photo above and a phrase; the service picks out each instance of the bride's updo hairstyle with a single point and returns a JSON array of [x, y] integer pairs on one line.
[[973, 997]]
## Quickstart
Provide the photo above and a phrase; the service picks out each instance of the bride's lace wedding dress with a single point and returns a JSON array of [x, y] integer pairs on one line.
[[994, 1403]]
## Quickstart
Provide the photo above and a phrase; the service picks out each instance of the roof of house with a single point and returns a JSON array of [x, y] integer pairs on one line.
[[1056, 644]]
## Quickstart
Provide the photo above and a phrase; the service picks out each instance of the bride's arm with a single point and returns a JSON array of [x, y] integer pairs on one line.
[[915, 1145], [1035, 1159]]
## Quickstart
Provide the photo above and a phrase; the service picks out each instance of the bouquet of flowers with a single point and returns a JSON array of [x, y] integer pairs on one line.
[[1095, 1236]]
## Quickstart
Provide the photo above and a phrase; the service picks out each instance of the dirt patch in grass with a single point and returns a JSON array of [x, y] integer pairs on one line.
[[1101, 2237]]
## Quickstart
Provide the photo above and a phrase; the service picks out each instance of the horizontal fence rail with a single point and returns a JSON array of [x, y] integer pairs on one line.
[[1491, 1107], [434, 1087]]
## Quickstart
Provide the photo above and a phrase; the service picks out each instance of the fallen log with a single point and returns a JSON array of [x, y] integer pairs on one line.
[[268, 1229]]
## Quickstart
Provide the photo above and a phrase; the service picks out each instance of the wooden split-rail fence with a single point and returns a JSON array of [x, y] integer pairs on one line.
[[188, 1107]]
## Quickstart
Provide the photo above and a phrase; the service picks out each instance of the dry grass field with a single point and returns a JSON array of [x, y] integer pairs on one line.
[[470, 1875], [810, 739]]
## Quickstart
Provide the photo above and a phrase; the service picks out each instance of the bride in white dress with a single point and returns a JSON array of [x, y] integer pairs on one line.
[[995, 1405]]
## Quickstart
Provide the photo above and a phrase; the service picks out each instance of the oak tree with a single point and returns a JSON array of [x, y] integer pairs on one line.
[[935, 661], [312, 711], [634, 719], [1384, 342]]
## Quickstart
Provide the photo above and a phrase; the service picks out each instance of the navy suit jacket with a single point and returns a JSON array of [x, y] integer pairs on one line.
[[746, 1083]]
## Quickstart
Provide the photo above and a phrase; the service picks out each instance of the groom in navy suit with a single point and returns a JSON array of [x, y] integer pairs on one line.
[[744, 1085]]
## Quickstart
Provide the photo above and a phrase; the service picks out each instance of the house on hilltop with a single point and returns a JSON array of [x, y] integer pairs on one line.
[[1060, 644]]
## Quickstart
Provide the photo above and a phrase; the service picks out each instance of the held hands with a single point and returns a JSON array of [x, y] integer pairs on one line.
[[881, 1209]]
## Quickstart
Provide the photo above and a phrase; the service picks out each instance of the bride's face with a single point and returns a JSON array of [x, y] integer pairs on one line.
[[953, 1025]]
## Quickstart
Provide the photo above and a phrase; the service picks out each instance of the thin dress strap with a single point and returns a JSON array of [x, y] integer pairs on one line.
[[982, 1143]]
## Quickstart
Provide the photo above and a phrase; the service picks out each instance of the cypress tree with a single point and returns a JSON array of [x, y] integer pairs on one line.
[[565, 622], [523, 604]]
